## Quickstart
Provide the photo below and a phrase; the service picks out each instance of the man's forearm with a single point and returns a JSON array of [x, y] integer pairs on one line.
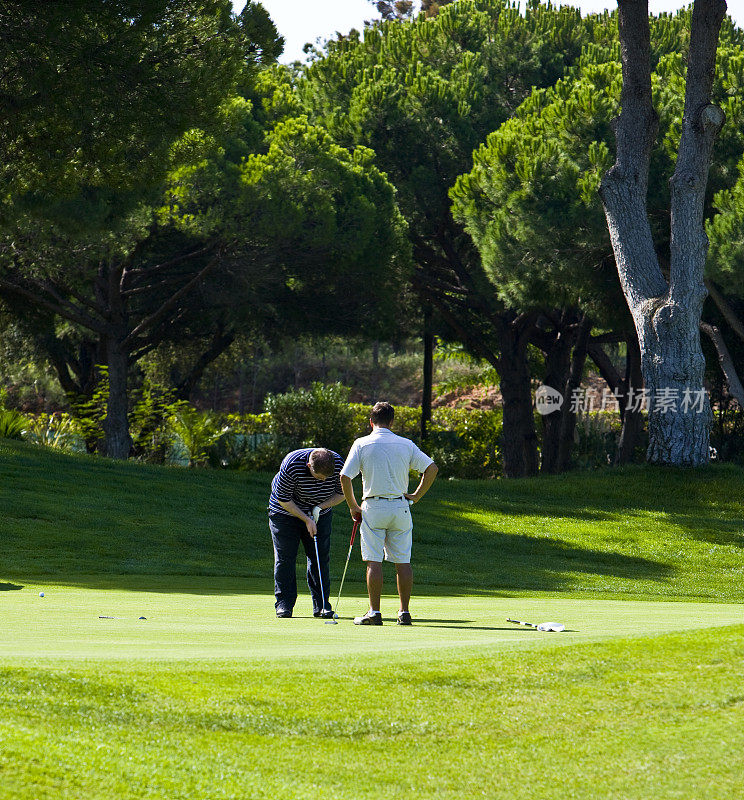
[[292, 508], [348, 490], [430, 473], [349, 496], [333, 501]]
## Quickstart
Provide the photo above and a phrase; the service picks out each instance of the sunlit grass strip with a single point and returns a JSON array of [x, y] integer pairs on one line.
[[660, 717]]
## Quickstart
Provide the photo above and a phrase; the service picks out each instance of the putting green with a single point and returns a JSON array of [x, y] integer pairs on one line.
[[213, 619]]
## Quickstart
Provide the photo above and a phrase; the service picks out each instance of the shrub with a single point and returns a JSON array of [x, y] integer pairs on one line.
[[59, 431], [463, 443], [246, 443], [197, 431], [90, 412], [13, 424], [317, 417], [466, 443], [153, 437], [727, 436], [596, 438]]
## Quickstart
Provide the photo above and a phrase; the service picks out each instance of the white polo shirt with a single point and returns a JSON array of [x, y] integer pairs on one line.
[[385, 461]]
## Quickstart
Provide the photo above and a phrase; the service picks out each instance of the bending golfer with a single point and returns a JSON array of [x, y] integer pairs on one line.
[[385, 460], [307, 479]]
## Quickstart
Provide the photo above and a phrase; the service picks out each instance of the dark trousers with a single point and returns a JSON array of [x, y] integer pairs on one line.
[[287, 532]]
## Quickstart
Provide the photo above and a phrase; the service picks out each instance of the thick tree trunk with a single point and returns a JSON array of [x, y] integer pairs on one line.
[[673, 366], [557, 369], [117, 441], [666, 316], [632, 414], [505, 348], [428, 375], [519, 440], [568, 415]]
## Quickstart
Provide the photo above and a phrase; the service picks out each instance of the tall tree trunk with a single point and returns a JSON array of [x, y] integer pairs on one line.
[[428, 375], [666, 316], [117, 441], [557, 366], [505, 348], [567, 414], [519, 440], [631, 413]]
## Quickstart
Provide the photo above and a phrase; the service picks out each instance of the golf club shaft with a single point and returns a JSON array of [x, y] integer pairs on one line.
[[346, 566], [519, 622], [320, 576]]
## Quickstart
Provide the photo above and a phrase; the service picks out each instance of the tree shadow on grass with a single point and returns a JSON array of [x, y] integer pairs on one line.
[[463, 545], [10, 587], [495, 562], [422, 624], [487, 563], [704, 503]]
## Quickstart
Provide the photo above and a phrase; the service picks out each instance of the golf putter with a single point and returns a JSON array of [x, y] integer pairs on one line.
[[549, 627], [354, 529], [320, 577]]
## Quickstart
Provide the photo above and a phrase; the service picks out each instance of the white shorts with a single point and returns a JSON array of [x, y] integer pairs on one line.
[[387, 530]]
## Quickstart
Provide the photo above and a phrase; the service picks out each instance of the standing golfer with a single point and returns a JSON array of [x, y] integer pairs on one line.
[[307, 479], [385, 461]]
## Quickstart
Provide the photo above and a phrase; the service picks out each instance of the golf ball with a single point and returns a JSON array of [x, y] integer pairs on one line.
[[41, 594], [335, 616]]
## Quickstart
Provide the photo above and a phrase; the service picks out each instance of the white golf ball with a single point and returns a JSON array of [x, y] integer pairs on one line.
[[335, 616], [41, 594]]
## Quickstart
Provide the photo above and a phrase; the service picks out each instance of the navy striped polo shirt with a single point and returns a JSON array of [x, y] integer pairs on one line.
[[294, 482]]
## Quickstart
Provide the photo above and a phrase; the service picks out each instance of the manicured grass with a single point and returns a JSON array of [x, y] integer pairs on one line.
[[212, 697], [637, 532], [645, 718], [185, 623]]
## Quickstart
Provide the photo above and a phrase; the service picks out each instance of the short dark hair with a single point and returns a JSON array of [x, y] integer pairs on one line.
[[382, 414], [322, 462]]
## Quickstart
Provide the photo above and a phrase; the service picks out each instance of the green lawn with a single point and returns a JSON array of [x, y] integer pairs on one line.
[[212, 697]]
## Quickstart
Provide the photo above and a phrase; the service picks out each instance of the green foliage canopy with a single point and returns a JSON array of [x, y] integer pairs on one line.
[[530, 202], [94, 95]]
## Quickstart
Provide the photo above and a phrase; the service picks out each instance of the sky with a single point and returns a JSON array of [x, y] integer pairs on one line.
[[301, 21]]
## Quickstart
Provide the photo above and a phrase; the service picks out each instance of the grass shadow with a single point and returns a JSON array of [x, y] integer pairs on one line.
[[82, 521]]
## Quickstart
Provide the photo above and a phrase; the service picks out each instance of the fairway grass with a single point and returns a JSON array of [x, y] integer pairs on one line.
[[632, 718], [66, 624], [212, 697]]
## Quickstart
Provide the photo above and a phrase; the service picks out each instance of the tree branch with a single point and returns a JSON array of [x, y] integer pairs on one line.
[[606, 368], [700, 125], [138, 273], [623, 189], [221, 341], [724, 307], [736, 390], [53, 302], [159, 315]]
